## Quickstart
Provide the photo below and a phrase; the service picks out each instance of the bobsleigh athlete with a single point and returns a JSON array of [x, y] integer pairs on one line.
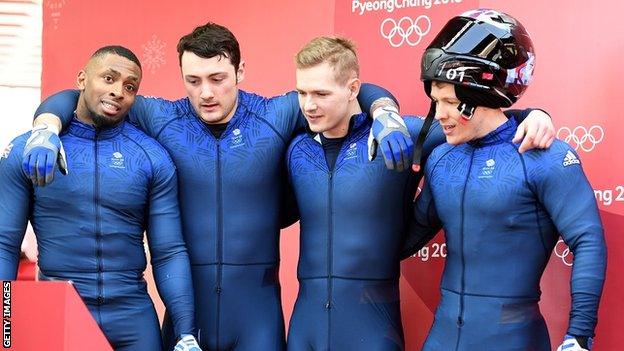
[[89, 224], [502, 211]]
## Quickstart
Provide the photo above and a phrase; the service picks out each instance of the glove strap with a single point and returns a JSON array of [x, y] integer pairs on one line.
[[384, 109], [44, 126]]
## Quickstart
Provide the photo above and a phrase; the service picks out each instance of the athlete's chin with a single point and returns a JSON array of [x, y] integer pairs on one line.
[[212, 117], [316, 125], [106, 121], [317, 128], [455, 140]]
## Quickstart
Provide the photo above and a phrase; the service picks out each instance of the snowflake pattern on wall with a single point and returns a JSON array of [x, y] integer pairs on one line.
[[153, 54], [55, 7]]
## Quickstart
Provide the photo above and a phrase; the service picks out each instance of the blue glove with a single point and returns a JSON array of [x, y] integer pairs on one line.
[[43, 150], [572, 343], [187, 343], [390, 133]]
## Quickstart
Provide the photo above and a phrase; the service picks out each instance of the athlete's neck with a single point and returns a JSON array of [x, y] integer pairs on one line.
[[343, 127], [488, 120]]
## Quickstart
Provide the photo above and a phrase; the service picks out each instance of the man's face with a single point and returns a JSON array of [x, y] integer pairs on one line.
[[456, 129], [108, 86], [211, 85], [325, 101]]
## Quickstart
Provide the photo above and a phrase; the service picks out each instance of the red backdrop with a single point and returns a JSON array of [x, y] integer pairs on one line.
[[578, 47]]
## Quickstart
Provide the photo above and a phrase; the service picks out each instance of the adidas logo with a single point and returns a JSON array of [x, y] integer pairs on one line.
[[570, 159]]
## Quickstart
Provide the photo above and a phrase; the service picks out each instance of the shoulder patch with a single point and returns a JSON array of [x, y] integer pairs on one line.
[[7, 151], [570, 159]]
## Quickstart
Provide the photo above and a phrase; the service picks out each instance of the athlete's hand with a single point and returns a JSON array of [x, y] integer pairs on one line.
[[571, 343], [43, 151], [537, 130], [390, 133], [187, 343]]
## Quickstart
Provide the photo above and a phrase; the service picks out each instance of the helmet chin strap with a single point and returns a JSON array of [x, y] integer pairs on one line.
[[467, 111], [424, 130]]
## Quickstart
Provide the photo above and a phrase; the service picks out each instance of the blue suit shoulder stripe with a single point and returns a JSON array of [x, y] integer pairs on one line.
[[253, 101], [525, 172], [145, 142], [560, 146], [541, 162], [263, 120], [184, 107], [251, 104], [438, 155], [181, 109], [297, 140], [149, 146], [557, 149], [164, 126], [295, 143]]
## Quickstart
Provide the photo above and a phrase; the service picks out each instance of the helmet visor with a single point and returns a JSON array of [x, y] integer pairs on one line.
[[465, 36]]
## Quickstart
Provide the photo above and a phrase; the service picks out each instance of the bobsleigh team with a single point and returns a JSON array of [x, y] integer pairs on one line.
[[212, 178]]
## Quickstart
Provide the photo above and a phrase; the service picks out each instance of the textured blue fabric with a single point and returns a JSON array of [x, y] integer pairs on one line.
[[230, 192], [90, 224], [353, 221], [502, 213]]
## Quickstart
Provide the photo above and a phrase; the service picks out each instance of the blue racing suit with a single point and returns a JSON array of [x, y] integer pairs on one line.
[[231, 188], [90, 224], [353, 221], [502, 213]]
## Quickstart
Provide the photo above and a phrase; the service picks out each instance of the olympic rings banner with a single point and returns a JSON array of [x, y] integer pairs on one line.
[[578, 68]]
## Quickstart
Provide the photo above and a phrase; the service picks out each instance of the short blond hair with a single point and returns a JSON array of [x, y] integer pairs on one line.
[[337, 51]]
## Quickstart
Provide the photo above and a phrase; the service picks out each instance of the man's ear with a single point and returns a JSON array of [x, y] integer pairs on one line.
[[354, 86], [240, 73], [81, 80]]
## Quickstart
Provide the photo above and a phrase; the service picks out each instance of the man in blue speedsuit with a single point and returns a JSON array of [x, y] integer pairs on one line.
[[502, 211], [228, 146], [353, 212], [90, 223]]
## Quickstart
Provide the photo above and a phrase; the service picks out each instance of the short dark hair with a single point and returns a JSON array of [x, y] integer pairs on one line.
[[211, 40], [117, 50]]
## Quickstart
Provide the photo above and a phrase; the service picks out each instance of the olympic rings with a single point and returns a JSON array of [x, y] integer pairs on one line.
[[581, 137], [405, 30]]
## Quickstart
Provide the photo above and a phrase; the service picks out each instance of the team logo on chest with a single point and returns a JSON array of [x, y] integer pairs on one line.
[[488, 170], [117, 160], [351, 151], [237, 139]]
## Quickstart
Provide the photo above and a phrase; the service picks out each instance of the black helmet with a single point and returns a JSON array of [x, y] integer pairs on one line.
[[486, 54]]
